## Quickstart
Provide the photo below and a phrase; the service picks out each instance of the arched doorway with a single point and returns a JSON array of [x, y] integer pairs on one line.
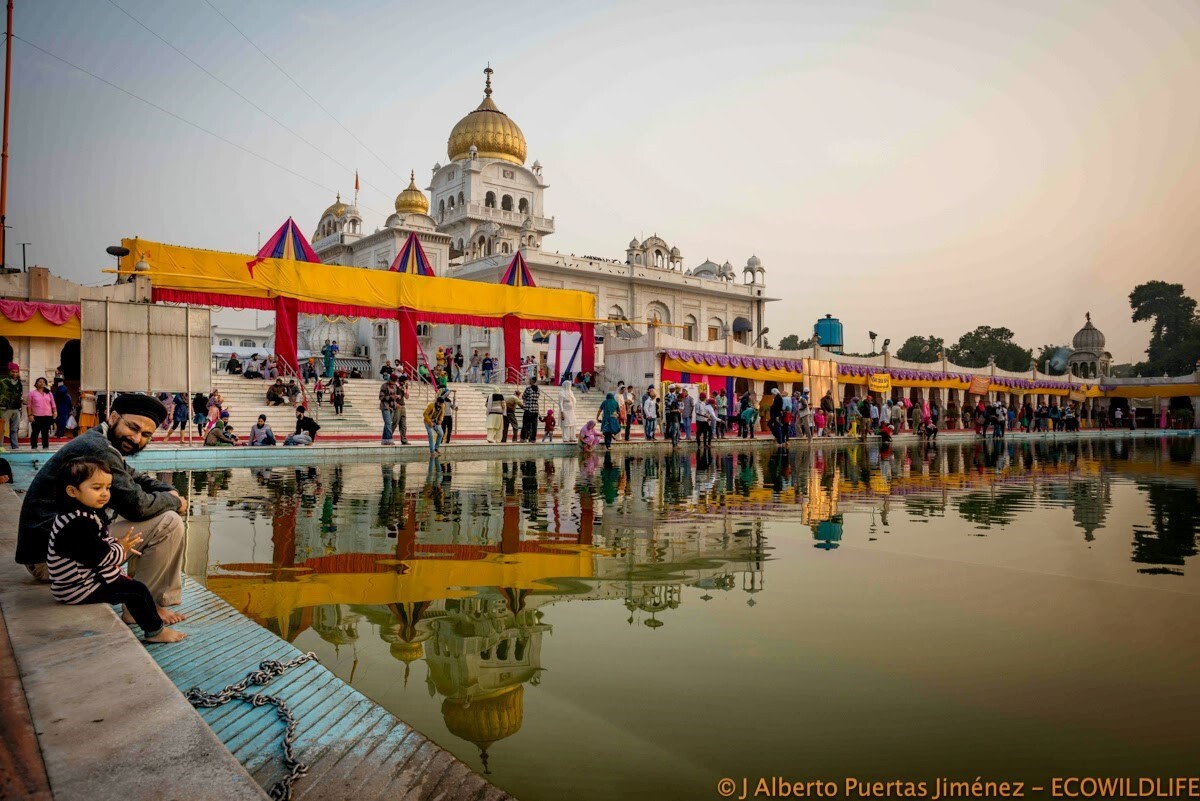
[[68, 360]]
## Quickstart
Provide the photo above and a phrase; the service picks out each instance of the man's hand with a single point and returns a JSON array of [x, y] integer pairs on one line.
[[182, 501], [129, 544]]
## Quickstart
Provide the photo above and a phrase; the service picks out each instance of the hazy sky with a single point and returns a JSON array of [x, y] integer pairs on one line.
[[908, 167]]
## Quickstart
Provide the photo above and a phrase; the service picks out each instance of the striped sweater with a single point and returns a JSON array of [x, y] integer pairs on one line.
[[81, 556]]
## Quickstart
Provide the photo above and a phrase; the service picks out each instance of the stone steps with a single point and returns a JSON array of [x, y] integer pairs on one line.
[[246, 400]]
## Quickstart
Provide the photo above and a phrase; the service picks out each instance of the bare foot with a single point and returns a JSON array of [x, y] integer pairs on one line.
[[169, 617], [167, 635], [127, 618]]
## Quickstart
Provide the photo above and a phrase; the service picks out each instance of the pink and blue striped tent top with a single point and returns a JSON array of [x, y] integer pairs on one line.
[[411, 259], [288, 243], [518, 273]]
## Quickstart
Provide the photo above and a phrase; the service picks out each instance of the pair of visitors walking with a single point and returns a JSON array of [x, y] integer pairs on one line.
[[393, 395]]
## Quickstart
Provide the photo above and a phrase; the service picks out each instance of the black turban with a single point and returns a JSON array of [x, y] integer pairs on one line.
[[142, 405]]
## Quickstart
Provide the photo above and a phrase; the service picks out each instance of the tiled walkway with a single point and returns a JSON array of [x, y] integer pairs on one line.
[[353, 747]]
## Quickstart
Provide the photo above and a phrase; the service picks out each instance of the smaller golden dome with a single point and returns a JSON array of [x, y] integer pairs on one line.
[[407, 651], [412, 200], [338, 209]]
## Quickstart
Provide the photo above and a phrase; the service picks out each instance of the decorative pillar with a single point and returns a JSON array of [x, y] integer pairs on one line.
[[587, 347], [286, 336], [512, 348], [407, 347]]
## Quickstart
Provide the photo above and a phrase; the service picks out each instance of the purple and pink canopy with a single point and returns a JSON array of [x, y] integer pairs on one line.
[[411, 259], [518, 273], [288, 243]]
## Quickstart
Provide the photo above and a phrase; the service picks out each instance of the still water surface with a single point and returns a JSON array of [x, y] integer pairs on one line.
[[642, 627]]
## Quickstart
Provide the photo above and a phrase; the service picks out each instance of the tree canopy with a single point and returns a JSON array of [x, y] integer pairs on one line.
[[794, 342], [1174, 328], [974, 347], [921, 349]]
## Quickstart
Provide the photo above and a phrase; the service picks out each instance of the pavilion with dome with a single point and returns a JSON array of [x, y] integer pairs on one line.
[[1088, 357]]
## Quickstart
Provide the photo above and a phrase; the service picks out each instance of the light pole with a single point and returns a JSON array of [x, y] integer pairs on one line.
[[24, 266], [760, 335], [872, 335]]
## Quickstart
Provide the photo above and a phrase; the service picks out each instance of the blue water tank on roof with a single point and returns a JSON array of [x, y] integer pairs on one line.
[[829, 330]]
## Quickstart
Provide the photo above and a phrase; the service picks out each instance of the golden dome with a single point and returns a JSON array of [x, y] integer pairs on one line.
[[485, 719], [338, 209], [490, 130], [412, 200]]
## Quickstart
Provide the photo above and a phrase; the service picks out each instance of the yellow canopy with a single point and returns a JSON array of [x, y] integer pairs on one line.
[[194, 270]]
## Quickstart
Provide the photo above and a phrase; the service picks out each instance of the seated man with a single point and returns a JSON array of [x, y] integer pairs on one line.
[[385, 371], [261, 433], [306, 429], [146, 505], [234, 366], [356, 373], [253, 368], [293, 390], [276, 393]]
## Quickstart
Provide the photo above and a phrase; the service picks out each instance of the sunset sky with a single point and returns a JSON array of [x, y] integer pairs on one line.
[[911, 168]]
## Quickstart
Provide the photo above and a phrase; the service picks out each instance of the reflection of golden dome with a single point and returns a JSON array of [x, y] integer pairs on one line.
[[490, 130], [407, 651], [486, 719], [412, 200]]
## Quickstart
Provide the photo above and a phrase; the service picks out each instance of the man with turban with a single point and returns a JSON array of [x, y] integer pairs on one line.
[[144, 504]]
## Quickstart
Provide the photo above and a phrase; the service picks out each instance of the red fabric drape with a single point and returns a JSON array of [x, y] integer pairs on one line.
[[370, 312], [212, 299], [55, 313], [286, 337], [512, 348], [587, 347], [408, 338]]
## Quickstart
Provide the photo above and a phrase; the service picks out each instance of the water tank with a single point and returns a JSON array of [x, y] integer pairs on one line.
[[829, 329]]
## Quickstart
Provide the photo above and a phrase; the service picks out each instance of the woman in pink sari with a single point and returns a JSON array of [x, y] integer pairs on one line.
[[588, 436]]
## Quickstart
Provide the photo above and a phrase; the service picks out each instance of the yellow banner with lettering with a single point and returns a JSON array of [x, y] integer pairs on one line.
[[879, 382]]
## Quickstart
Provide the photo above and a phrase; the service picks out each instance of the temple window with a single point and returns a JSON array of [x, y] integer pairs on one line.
[[506, 203], [489, 200], [523, 206]]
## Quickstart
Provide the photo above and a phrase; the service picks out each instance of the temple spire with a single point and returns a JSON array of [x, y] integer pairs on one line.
[[487, 88]]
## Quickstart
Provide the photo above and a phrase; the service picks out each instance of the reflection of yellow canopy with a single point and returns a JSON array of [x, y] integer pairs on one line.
[[193, 270], [426, 580]]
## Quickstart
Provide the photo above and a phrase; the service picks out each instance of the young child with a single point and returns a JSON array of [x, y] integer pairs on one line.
[[819, 421], [319, 389], [550, 422], [85, 562]]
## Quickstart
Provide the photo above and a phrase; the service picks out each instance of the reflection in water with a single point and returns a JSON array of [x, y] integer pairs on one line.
[[453, 565]]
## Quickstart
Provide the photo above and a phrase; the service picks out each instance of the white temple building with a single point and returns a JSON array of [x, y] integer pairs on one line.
[[482, 206]]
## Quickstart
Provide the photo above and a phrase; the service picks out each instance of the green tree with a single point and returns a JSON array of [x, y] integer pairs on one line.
[[1174, 328], [974, 347], [794, 342], [921, 349], [1052, 359]]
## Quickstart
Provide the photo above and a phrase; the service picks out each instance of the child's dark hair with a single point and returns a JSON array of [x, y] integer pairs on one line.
[[77, 471]]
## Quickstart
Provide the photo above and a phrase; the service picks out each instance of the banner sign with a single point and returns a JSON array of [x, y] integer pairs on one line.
[[879, 382], [1076, 395], [980, 385]]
